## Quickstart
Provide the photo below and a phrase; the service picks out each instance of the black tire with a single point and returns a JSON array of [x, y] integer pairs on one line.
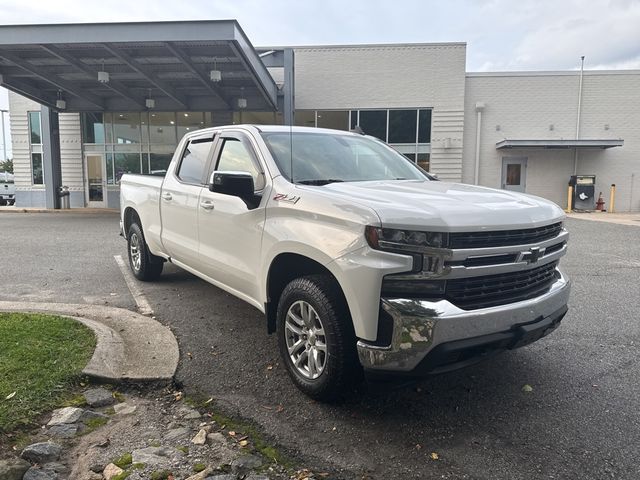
[[341, 370], [145, 266]]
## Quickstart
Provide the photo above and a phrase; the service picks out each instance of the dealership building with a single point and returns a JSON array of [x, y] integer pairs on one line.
[[90, 102]]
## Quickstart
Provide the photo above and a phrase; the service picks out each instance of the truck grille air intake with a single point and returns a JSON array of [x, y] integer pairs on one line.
[[492, 290], [503, 238]]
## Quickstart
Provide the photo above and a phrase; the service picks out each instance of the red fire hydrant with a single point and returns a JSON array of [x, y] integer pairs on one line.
[[600, 203]]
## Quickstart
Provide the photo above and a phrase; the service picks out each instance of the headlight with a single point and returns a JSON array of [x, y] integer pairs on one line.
[[393, 239]]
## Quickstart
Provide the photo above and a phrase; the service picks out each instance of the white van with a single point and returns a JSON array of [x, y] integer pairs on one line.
[[7, 189]]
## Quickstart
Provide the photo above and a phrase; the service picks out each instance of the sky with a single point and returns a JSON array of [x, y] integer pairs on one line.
[[500, 34]]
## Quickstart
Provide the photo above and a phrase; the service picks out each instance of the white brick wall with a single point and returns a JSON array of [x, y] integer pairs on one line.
[[391, 76], [524, 105]]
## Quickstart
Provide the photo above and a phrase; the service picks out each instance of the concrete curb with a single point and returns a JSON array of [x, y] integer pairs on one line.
[[618, 218], [129, 348]]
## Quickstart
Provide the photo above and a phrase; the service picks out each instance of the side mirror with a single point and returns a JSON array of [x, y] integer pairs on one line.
[[236, 184]]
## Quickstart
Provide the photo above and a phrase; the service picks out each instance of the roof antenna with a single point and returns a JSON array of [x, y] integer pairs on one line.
[[357, 130], [291, 125]]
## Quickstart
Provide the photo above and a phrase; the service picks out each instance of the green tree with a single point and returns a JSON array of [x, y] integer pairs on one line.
[[7, 166]]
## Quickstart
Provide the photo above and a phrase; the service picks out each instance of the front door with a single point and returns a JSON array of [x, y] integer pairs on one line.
[[96, 185], [514, 173]]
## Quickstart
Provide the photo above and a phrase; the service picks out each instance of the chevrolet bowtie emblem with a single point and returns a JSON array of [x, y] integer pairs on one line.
[[533, 255]]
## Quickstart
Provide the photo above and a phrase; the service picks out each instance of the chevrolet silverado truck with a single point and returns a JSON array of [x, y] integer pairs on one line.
[[360, 260]]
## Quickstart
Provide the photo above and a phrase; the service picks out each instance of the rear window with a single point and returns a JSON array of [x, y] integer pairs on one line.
[[194, 160]]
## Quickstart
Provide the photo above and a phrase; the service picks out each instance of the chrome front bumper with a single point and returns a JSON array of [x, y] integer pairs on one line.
[[420, 326]]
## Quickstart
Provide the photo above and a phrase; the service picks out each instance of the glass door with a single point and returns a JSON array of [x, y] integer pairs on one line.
[[96, 187]]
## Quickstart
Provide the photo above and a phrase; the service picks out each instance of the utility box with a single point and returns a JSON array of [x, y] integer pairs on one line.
[[584, 191]]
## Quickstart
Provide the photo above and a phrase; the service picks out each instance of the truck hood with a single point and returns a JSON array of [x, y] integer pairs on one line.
[[442, 206]]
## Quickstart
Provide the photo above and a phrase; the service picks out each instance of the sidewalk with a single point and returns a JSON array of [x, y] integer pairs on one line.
[[13, 209], [619, 218]]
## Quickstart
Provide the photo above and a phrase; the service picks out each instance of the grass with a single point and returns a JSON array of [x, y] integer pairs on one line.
[[41, 359]]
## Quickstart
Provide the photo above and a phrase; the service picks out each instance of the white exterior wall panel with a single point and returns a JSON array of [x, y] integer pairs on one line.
[[391, 76], [19, 107], [526, 105], [71, 151]]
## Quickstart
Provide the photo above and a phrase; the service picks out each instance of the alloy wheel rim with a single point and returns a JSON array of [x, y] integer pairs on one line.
[[134, 250], [306, 341]]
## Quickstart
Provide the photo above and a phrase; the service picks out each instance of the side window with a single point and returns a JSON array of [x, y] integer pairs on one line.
[[194, 161], [236, 157]]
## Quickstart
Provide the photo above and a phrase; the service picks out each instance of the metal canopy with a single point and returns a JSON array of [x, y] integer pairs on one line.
[[169, 62], [554, 143]]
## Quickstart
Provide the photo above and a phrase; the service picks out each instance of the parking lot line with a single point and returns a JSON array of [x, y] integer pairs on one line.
[[141, 301]]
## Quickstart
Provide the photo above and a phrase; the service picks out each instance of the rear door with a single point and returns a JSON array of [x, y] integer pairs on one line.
[[230, 232], [179, 200]]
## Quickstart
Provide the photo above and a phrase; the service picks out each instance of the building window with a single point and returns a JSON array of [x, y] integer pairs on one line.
[[35, 130], [335, 119], [305, 118], [402, 126], [35, 148], [92, 128], [37, 176], [374, 123], [424, 126]]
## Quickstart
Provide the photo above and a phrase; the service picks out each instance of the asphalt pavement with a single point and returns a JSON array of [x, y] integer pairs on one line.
[[581, 420]]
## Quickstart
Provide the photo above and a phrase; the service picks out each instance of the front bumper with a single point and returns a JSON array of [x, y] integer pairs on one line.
[[433, 336]]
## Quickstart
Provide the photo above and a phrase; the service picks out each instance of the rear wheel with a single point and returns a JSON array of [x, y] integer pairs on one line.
[[144, 265], [316, 338]]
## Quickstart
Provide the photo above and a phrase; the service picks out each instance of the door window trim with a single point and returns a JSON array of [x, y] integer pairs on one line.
[[207, 164], [246, 141]]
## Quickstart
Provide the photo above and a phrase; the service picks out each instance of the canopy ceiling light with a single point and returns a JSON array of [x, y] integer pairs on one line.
[[242, 102], [103, 75], [150, 102], [61, 104], [215, 75]]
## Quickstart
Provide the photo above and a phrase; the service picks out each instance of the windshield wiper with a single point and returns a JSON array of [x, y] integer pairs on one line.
[[319, 182]]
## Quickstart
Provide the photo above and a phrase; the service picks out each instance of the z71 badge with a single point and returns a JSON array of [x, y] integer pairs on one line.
[[283, 197]]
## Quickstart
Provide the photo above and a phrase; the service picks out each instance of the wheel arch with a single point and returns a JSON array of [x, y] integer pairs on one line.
[[284, 268]]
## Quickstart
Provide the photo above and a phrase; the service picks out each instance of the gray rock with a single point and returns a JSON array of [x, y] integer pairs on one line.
[[216, 438], [246, 462], [65, 415], [200, 438], [97, 467], [56, 467], [152, 455], [40, 474], [64, 430], [99, 397], [187, 413], [42, 452], [13, 468], [177, 433], [253, 476], [91, 415], [223, 476], [124, 409]]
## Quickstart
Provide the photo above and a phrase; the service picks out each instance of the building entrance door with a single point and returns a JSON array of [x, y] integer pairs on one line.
[[96, 186], [514, 173]]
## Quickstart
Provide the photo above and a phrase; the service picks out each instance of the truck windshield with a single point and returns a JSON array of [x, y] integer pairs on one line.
[[321, 158]]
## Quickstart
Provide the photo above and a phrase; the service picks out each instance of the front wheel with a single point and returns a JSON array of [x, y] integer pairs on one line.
[[144, 265], [316, 338]]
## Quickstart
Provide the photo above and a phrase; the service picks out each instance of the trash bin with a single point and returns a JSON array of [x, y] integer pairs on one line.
[[584, 190], [64, 194]]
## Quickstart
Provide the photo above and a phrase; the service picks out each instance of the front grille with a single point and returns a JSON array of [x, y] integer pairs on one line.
[[503, 238], [492, 290]]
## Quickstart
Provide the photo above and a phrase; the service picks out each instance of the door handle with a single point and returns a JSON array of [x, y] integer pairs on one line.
[[207, 204], [167, 196]]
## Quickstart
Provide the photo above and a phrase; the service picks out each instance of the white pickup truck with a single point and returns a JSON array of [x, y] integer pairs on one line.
[[360, 260]]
